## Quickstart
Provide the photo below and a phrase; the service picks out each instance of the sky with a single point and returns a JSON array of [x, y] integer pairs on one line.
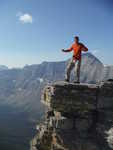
[[33, 31]]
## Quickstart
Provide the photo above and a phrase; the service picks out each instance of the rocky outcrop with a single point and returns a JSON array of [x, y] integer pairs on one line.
[[21, 87], [79, 117]]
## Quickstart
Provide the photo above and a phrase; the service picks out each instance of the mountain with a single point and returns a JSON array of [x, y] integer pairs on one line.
[[22, 87], [20, 92], [2, 67], [107, 72]]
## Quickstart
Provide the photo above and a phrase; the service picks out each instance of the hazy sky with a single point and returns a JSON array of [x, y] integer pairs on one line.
[[32, 31]]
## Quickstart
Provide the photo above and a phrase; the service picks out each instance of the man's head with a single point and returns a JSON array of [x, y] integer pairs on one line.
[[76, 39]]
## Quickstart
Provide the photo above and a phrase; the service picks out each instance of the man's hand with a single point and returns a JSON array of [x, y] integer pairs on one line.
[[66, 50], [63, 50]]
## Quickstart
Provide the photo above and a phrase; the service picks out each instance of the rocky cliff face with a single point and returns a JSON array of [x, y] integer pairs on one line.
[[21, 88], [79, 117]]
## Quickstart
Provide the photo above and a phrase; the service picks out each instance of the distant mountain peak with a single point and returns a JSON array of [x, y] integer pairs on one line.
[[93, 57], [3, 67]]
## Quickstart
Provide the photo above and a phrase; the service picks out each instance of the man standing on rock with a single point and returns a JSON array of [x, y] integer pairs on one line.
[[77, 51]]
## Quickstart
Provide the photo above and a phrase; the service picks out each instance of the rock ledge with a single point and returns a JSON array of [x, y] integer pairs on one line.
[[79, 117]]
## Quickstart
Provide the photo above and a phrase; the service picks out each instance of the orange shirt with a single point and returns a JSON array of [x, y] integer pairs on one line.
[[77, 49]]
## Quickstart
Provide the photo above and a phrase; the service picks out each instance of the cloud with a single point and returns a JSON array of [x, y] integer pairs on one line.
[[95, 52], [24, 18]]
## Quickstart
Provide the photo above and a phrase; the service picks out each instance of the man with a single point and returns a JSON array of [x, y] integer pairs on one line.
[[77, 51]]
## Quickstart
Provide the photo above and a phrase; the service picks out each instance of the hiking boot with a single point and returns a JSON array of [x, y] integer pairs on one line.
[[77, 82], [67, 80]]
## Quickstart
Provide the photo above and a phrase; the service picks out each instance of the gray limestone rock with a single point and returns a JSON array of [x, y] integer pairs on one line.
[[81, 118]]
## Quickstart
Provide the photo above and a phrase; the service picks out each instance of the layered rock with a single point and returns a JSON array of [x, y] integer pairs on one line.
[[79, 117]]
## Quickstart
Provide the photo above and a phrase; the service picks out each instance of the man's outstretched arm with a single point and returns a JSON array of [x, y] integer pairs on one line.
[[67, 50]]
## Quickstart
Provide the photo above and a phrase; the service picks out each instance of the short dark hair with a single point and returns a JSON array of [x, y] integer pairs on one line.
[[76, 37]]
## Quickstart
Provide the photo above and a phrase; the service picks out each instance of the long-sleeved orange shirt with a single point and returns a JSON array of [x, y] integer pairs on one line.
[[77, 50]]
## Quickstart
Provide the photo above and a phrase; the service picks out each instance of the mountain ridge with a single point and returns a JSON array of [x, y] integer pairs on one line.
[[22, 87], [3, 67]]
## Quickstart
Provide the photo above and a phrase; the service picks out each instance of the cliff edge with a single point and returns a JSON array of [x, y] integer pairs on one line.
[[79, 117]]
